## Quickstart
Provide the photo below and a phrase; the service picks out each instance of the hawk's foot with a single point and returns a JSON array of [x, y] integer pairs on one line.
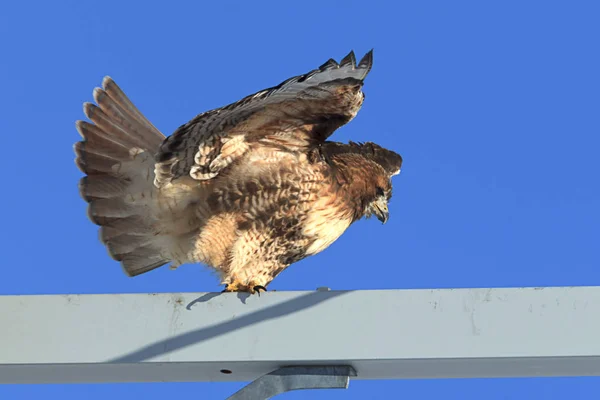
[[234, 286], [237, 286], [257, 289]]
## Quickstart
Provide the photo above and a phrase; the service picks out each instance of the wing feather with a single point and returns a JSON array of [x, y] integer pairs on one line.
[[303, 110]]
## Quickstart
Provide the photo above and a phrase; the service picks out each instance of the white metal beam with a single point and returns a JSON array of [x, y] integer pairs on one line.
[[382, 334]]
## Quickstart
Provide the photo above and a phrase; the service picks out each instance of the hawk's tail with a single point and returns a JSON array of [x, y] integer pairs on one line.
[[117, 156]]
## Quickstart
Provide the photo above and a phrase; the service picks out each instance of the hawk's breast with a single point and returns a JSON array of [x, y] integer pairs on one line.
[[325, 223]]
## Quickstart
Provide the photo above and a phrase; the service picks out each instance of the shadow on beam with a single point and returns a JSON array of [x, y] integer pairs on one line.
[[199, 335]]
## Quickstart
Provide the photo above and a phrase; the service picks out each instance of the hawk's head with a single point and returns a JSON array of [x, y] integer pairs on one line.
[[378, 205], [378, 182], [365, 170]]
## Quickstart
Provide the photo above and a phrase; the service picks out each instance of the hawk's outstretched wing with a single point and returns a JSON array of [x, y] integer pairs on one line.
[[301, 111]]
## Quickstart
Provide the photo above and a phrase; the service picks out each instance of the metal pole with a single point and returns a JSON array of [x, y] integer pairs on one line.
[[295, 378]]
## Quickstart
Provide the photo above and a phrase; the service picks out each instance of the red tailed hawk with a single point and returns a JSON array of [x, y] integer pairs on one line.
[[246, 189]]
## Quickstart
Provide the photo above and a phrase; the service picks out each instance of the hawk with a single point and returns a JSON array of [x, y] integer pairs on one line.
[[246, 189]]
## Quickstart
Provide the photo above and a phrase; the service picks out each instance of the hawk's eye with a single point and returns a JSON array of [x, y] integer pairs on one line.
[[379, 191]]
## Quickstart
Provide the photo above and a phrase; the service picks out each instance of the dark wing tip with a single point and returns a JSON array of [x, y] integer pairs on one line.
[[366, 62], [331, 63], [350, 59]]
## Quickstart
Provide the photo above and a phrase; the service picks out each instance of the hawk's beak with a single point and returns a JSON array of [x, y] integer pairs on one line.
[[380, 209]]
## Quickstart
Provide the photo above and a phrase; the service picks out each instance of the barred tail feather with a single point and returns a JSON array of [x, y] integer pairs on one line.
[[117, 156]]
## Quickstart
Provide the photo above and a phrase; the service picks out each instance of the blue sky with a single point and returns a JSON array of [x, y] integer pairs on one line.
[[493, 105]]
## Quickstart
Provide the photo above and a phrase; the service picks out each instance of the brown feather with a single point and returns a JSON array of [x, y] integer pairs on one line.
[[114, 155], [323, 99]]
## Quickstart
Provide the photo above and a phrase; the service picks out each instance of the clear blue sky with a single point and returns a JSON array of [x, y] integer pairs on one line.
[[493, 105]]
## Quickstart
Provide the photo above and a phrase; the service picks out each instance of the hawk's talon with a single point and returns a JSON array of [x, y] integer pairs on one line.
[[258, 288], [237, 287], [233, 287]]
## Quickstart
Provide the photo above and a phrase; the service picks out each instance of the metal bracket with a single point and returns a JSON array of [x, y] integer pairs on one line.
[[286, 379]]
